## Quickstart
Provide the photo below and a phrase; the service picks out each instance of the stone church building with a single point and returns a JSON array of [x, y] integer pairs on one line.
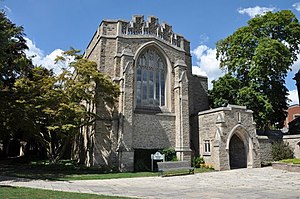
[[162, 104]]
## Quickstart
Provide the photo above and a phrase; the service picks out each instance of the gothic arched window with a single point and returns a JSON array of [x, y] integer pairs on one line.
[[150, 79]]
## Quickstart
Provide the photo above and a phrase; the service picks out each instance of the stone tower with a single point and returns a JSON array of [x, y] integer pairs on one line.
[[159, 94]]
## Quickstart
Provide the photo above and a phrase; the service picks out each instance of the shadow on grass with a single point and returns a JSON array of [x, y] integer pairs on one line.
[[17, 170], [65, 170], [7, 186]]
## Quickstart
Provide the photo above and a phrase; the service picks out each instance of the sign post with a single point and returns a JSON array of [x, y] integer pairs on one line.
[[157, 156]]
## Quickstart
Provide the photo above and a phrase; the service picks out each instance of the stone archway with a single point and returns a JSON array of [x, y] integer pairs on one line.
[[239, 148], [237, 153]]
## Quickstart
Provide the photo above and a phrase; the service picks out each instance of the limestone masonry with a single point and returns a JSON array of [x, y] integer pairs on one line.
[[159, 103]]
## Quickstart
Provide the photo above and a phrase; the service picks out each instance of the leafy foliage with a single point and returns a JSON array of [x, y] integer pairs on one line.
[[13, 65], [198, 161], [170, 154], [281, 150], [257, 58], [13, 61], [39, 106], [59, 101], [224, 91]]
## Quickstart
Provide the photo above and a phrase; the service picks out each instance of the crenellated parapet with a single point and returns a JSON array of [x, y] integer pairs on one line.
[[138, 26]]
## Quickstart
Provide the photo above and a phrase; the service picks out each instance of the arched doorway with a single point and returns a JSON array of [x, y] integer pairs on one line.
[[237, 153]]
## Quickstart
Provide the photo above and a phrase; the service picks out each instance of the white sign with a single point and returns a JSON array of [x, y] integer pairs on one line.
[[157, 156]]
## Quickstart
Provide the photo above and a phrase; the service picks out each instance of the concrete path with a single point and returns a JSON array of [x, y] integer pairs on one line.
[[241, 183]]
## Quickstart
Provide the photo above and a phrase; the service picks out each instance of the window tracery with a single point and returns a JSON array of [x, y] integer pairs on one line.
[[150, 79]]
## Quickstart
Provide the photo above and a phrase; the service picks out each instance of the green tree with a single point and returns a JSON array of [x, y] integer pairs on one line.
[[257, 58], [224, 91], [39, 106], [13, 65], [55, 104], [13, 61]]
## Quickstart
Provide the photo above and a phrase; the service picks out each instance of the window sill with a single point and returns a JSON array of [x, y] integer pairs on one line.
[[152, 110]]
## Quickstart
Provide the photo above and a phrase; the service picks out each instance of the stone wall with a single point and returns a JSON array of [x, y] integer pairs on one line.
[[198, 101], [294, 142], [121, 128], [218, 127], [286, 166], [154, 131], [108, 49], [265, 149], [266, 142], [115, 47], [194, 135]]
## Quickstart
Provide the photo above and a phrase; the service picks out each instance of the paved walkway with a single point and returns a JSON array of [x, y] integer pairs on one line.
[[241, 183]]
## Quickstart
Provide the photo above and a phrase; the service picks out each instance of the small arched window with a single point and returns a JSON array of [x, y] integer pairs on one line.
[[150, 79]]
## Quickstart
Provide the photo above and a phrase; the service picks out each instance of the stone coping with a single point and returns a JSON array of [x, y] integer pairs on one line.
[[229, 107], [262, 137], [200, 76], [286, 166], [291, 136]]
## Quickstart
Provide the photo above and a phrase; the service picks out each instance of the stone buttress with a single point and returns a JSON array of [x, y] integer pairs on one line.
[[159, 94]]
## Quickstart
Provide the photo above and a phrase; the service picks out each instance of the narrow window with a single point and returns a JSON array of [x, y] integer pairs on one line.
[[157, 88], [139, 86], [150, 80], [206, 147], [151, 88], [145, 85], [162, 86], [239, 117]]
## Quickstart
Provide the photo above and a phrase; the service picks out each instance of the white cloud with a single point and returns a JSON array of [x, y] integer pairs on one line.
[[196, 70], [203, 38], [252, 12], [293, 96], [39, 58], [296, 65], [7, 9], [297, 6], [207, 64]]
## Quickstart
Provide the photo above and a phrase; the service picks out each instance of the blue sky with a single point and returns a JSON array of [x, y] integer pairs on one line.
[[56, 25]]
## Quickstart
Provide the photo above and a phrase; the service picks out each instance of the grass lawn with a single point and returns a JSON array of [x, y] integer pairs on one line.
[[102, 176], [293, 161], [29, 193], [67, 171], [62, 171], [202, 170]]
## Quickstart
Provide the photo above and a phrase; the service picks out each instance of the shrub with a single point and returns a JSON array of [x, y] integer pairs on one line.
[[207, 166], [170, 154], [198, 161], [281, 150]]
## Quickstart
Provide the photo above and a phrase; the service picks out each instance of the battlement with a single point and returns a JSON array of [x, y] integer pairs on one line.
[[138, 26]]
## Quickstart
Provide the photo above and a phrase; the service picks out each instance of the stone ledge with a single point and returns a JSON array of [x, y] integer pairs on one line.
[[286, 166]]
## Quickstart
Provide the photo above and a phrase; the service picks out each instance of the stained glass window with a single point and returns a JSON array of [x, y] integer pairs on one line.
[[150, 79]]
